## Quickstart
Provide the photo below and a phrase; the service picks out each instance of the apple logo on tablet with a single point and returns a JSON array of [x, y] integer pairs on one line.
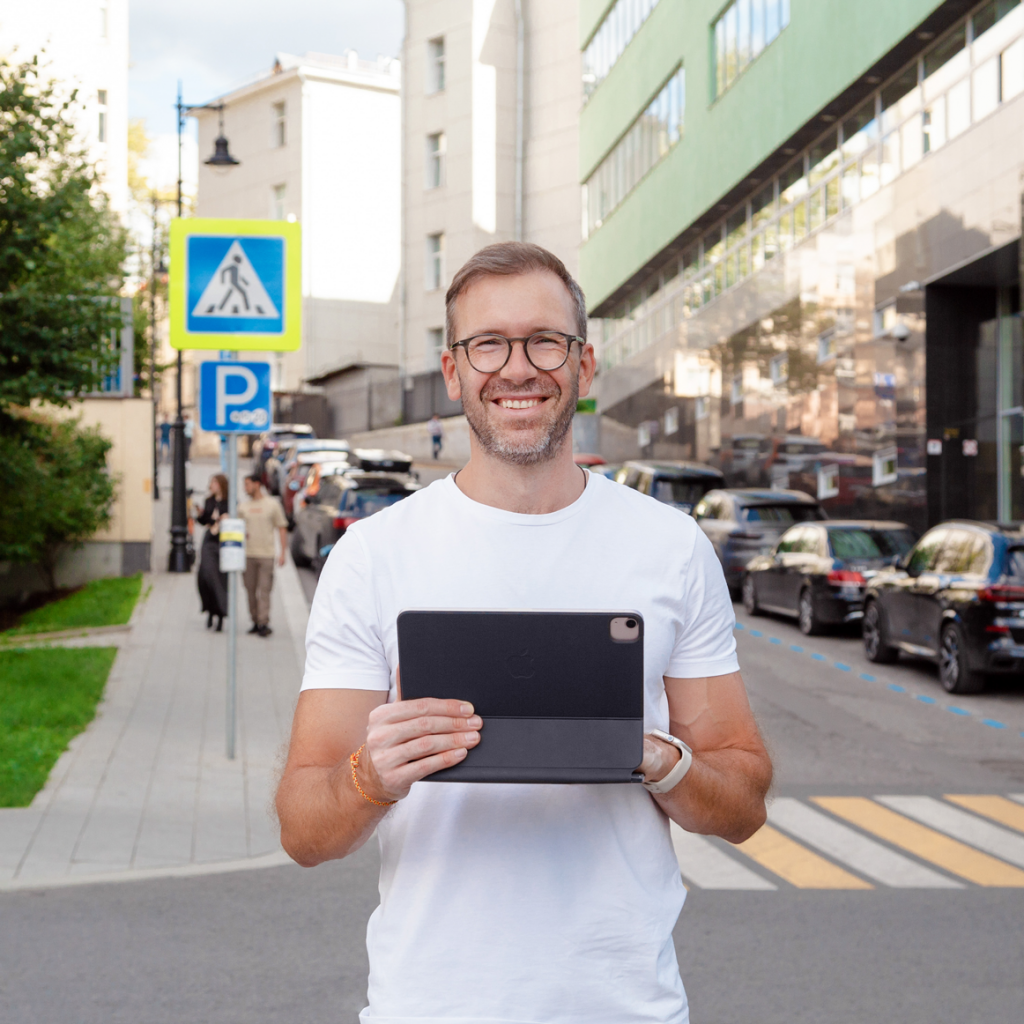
[[520, 666]]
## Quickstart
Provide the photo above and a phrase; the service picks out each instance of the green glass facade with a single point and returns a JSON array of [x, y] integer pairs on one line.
[[817, 286]]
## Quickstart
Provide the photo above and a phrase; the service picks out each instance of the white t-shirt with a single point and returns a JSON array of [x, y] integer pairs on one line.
[[524, 903]]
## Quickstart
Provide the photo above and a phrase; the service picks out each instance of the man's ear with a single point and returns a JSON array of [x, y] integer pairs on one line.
[[451, 375], [588, 367]]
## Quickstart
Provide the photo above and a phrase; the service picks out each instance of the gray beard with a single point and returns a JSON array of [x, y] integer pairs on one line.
[[522, 453]]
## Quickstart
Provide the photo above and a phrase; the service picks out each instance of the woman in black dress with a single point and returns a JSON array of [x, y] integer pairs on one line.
[[213, 588]]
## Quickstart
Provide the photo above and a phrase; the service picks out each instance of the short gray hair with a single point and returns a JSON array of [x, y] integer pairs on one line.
[[508, 259]]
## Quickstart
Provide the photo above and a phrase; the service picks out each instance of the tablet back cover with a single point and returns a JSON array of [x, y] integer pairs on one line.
[[560, 699]]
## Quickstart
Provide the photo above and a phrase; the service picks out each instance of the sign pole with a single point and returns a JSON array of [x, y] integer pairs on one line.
[[232, 452]]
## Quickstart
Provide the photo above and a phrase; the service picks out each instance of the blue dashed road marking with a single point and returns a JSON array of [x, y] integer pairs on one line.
[[868, 678]]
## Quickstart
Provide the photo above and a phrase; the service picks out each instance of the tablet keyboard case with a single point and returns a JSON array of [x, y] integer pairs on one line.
[[560, 701]]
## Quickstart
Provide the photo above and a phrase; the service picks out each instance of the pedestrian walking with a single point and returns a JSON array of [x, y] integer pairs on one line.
[[190, 429], [263, 515], [436, 431], [165, 439], [213, 584], [501, 902]]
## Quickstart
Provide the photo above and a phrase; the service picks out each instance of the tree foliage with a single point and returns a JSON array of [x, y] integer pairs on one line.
[[59, 490], [61, 249]]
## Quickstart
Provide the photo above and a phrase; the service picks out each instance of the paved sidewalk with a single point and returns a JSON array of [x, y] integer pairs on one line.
[[147, 790]]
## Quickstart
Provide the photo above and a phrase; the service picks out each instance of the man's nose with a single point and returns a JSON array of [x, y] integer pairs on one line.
[[518, 366]]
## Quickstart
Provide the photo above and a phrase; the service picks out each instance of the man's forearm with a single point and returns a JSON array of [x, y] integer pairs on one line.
[[723, 794], [323, 816]]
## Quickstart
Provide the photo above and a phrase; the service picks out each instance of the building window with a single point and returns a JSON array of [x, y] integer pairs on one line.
[[741, 32], [435, 346], [435, 160], [778, 369], [435, 65], [101, 122], [613, 35], [104, 27], [435, 262], [645, 144], [279, 125], [277, 197]]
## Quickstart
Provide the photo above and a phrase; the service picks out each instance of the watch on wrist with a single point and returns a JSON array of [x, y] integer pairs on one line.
[[681, 767]]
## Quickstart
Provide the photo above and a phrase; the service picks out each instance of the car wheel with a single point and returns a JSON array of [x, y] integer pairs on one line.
[[954, 673], [876, 645], [750, 596], [809, 624], [299, 556]]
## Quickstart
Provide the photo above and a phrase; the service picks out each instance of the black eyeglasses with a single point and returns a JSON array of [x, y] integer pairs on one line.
[[546, 350]]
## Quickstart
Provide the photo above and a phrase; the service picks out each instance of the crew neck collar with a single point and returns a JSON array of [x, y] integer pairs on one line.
[[469, 505]]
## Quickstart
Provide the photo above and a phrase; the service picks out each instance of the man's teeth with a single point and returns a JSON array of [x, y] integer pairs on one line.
[[524, 403]]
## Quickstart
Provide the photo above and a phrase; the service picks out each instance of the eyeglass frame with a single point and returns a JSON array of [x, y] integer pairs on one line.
[[464, 345]]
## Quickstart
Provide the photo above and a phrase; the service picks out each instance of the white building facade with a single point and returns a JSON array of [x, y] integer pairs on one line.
[[83, 47], [318, 139], [491, 96]]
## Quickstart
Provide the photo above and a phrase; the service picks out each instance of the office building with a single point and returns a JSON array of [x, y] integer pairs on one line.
[[491, 96], [802, 232]]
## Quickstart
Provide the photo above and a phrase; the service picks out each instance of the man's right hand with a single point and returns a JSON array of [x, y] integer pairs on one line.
[[408, 740]]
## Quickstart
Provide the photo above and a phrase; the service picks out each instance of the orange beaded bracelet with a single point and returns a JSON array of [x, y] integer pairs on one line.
[[353, 760]]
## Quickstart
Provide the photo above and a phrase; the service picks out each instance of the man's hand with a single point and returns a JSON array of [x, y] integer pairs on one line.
[[409, 740]]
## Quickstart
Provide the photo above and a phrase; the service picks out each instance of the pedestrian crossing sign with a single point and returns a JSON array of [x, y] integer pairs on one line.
[[235, 284]]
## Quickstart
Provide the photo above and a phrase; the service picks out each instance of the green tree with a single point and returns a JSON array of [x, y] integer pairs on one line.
[[61, 250], [59, 490]]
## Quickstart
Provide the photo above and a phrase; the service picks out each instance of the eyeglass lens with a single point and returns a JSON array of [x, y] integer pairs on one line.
[[489, 352]]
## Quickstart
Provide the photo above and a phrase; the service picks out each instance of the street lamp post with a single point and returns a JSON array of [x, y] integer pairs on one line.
[[178, 561]]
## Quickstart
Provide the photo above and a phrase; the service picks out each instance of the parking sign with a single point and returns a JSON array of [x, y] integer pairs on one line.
[[234, 398], [235, 284]]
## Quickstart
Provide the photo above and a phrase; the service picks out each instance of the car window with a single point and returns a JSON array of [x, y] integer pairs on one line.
[[812, 542], [677, 492], [780, 513], [964, 552], [628, 476], [329, 492], [1014, 564], [706, 509], [788, 542], [367, 500], [643, 484], [925, 553]]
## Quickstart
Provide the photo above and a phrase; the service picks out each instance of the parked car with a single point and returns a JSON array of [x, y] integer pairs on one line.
[[341, 499], [267, 444], [298, 476], [743, 522], [681, 484], [957, 598], [288, 452], [818, 571], [387, 460]]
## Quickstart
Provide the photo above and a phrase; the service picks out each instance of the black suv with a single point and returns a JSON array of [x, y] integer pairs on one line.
[[956, 597]]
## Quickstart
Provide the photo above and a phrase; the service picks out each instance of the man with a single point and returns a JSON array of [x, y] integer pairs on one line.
[[165, 438], [436, 431], [514, 903], [263, 515]]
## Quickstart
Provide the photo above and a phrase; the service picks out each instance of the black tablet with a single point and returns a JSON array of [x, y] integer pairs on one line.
[[561, 694]]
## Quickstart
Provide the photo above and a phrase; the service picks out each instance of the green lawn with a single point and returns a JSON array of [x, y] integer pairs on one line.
[[47, 696], [100, 603]]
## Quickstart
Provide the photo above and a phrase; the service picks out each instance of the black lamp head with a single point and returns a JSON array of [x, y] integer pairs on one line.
[[221, 157]]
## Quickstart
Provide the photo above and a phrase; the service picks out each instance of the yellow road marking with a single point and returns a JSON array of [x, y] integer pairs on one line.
[[796, 864], [998, 808], [954, 856]]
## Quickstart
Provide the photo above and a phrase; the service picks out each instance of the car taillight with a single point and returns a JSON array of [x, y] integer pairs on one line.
[[1001, 630], [842, 577], [1001, 592], [344, 522]]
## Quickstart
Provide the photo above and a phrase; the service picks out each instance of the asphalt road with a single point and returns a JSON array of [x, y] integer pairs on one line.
[[284, 944]]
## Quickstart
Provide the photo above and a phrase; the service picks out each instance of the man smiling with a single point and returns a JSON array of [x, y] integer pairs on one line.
[[504, 904]]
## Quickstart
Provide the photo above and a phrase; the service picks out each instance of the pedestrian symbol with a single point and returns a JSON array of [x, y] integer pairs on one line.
[[235, 284], [235, 290]]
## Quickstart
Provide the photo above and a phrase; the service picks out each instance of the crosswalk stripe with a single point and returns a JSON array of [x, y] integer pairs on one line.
[[953, 856], [862, 854], [796, 864], [960, 825], [708, 867], [998, 808]]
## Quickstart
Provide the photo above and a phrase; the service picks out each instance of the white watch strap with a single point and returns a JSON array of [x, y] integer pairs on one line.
[[681, 767]]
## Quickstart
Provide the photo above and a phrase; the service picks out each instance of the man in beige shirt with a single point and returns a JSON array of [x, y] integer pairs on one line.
[[262, 514]]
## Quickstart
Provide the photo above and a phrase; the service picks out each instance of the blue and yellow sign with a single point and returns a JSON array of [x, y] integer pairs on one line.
[[235, 284]]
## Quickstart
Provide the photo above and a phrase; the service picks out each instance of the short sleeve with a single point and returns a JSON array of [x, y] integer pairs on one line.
[[705, 639], [344, 646], [279, 517]]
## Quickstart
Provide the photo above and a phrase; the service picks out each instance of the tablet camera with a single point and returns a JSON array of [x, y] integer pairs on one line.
[[624, 629]]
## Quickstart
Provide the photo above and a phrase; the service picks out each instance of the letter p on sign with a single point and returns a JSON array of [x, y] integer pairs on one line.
[[234, 398]]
